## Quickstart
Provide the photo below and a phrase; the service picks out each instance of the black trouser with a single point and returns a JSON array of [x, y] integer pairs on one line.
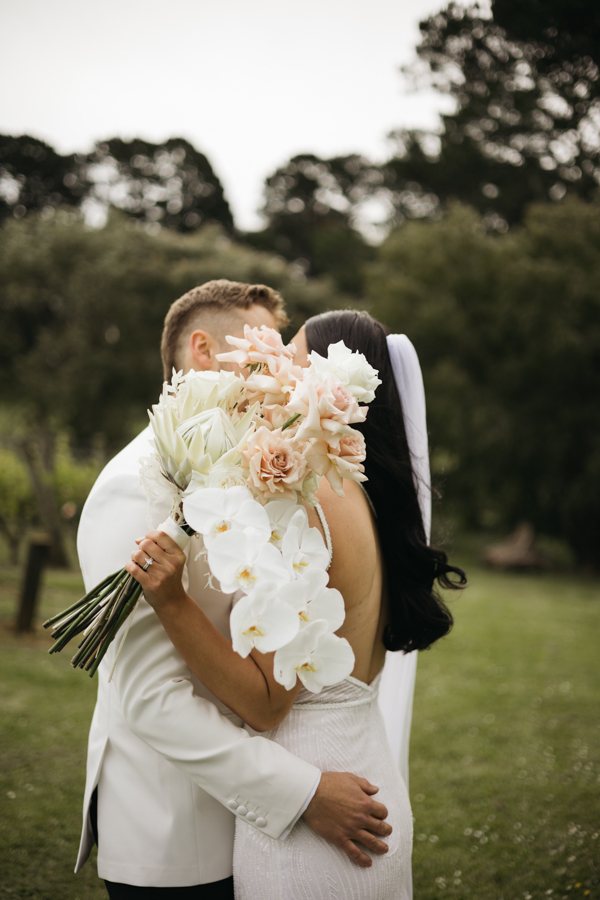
[[216, 890]]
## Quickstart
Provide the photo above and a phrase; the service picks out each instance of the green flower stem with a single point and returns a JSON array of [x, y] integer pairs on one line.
[[76, 621], [103, 610], [91, 668], [92, 641], [290, 421], [63, 636], [89, 596]]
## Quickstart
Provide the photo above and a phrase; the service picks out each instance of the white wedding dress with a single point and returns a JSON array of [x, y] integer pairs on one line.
[[340, 729]]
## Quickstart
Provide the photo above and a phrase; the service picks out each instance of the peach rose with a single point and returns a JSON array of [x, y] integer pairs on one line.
[[345, 461], [327, 407], [277, 464]]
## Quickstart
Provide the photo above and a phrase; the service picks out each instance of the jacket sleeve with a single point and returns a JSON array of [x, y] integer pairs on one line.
[[253, 776]]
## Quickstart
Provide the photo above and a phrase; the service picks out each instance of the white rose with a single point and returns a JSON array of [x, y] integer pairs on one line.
[[225, 477], [352, 369]]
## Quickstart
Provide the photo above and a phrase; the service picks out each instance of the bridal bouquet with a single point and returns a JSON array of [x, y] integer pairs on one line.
[[238, 457]]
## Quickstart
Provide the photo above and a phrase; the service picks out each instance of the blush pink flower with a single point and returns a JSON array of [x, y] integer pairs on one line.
[[327, 409], [274, 381], [258, 345], [344, 461], [277, 464], [273, 417]]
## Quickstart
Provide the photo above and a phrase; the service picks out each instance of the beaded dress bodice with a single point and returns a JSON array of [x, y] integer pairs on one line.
[[341, 730]]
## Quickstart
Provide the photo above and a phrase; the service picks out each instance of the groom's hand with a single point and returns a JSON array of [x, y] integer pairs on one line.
[[343, 811]]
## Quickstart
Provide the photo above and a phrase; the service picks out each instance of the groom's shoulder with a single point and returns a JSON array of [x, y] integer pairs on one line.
[[126, 463]]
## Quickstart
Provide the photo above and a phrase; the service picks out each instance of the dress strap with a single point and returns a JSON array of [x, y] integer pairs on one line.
[[326, 531], [369, 501]]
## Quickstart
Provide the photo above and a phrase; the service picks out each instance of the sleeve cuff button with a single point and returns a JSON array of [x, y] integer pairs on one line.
[[261, 822]]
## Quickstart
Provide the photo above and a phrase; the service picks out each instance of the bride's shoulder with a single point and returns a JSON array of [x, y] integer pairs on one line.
[[350, 523]]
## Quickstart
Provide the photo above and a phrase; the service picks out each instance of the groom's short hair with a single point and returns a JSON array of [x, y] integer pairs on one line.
[[210, 307]]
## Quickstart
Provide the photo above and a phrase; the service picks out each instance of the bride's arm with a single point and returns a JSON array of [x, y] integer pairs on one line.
[[246, 686]]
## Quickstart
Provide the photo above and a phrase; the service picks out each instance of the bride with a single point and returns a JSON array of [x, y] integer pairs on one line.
[[385, 570]]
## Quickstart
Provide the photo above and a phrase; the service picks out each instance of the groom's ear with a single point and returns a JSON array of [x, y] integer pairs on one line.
[[202, 351]]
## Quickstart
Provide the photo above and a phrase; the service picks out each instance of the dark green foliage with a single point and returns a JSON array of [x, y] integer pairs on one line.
[[525, 128], [170, 184], [313, 207], [508, 332], [573, 26], [33, 176]]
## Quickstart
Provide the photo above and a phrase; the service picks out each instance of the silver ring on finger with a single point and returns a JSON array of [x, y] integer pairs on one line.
[[148, 563]]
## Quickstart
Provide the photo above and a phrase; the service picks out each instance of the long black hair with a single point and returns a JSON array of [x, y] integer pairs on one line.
[[417, 616]]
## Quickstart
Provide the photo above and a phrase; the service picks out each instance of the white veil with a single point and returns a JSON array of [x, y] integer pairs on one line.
[[399, 672]]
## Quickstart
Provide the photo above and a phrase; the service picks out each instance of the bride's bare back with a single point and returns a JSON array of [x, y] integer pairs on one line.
[[357, 572]]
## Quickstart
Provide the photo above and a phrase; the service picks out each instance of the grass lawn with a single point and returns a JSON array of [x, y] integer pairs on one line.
[[505, 761]]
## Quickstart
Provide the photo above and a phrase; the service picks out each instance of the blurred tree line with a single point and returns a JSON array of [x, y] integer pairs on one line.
[[81, 314], [480, 240], [508, 332]]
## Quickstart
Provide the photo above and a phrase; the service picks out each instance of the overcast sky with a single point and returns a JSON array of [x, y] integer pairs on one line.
[[248, 82]]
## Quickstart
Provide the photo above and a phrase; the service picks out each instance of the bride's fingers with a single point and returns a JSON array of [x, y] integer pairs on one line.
[[152, 550], [140, 556], [166, 543], [136, 572]]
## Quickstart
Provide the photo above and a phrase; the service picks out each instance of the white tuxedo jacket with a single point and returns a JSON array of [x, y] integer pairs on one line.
[[173, 766]]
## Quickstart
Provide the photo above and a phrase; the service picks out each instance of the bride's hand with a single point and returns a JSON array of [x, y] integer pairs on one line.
[[161, 581]]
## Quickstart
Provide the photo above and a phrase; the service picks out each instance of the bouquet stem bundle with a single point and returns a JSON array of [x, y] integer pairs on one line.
[[99, 615]]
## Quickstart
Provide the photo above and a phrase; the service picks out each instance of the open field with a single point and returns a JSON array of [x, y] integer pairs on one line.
[[505, 759]]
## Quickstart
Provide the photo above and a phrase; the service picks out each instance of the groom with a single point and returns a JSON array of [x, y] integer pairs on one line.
[[169, 767]]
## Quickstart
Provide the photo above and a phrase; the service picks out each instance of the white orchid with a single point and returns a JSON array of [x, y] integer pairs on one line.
[[214, 511], [352, 369], [302, 547], [312, 600], [315, 656], [263, 621], [242, 560], [280, 513]]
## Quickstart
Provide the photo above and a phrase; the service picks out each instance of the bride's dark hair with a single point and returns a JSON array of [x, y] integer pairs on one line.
[[417, 616]]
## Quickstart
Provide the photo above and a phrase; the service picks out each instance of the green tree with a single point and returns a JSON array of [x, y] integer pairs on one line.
[[17, 503], [508, 331], [170, 184], [526, 124], [34, 177], [314, 211]]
